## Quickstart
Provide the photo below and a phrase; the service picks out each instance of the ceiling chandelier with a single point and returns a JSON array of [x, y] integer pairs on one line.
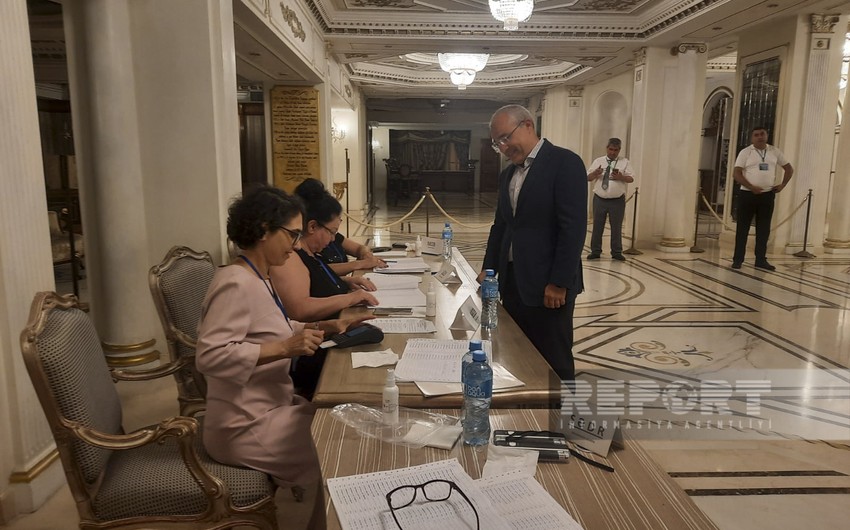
[[511, 12], [462, 67]]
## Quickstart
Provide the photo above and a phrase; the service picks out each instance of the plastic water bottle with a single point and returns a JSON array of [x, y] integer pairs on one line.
[[447, 241], [490, 301], [466, 360], [476, 400]]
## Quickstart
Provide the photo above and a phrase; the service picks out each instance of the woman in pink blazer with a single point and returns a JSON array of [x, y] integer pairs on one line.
[[246, 347]]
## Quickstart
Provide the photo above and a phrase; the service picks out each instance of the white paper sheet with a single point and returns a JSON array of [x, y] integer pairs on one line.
[[394, 281], [434, 360], [523, 502], [404, 325], [373, 359], [361, 504], [502, 380], [399, 297]]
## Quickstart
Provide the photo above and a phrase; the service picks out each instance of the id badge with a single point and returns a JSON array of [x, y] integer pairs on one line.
[[763, 166]]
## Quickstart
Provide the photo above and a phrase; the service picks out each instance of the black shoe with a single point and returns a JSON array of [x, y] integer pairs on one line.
[[765, 265], [618, 257], [593, 255], [736, 265]]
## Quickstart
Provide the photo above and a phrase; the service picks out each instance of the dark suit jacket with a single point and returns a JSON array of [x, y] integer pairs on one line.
[[548, 229]]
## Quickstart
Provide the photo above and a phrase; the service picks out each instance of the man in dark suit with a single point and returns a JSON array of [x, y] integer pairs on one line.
[[538, 233]]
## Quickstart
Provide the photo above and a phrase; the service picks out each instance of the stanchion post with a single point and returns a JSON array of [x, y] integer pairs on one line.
[[347, 173], [695, 249], [632, 251], [428, 212], [804, 253]]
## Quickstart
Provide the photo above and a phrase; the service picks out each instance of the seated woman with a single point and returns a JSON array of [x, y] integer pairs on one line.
[[335, 255], [313, 290], [247, 343]]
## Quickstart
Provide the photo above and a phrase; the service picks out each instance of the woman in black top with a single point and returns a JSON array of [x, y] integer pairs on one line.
[[336, 253], [313, 290]]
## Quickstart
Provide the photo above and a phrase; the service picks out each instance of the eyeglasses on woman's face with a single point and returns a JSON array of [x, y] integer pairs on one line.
[[294, 234], [434, 490]]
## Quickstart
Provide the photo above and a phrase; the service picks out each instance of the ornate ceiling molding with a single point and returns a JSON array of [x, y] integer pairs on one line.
[[477, 25]]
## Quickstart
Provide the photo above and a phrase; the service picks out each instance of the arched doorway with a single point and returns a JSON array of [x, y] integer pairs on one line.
[[714, 159]]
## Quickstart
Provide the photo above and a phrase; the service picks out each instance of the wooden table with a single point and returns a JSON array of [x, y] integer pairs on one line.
[[339, 383], [448, 180], [637, 495]]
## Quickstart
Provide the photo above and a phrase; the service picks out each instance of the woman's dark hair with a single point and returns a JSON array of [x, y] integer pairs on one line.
[[320, 205], [260, 209]]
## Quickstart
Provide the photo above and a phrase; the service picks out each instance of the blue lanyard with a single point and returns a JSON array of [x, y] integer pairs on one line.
[[326, 269], [271, 291]]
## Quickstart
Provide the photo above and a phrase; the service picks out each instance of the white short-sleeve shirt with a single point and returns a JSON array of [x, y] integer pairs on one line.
[[760, 165]]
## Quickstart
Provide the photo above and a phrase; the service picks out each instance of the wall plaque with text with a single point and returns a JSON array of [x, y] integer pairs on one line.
[[295, 135]]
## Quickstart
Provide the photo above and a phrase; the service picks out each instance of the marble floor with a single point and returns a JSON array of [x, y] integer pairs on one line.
[[703, 339]]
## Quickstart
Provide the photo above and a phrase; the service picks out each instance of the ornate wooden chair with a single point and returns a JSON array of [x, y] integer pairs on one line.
[[178, 286], [156, 477]]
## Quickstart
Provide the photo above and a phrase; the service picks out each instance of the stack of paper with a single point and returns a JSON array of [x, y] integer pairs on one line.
[[513, 500], [397, 290], [404, 325], [434, 360]]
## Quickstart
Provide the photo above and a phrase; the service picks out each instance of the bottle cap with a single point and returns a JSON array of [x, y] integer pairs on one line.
[[479, 356], [390, 377], [490, 272], [475, 344]]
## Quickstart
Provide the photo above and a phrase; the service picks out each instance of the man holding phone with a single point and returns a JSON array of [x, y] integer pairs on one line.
[[612, 174]]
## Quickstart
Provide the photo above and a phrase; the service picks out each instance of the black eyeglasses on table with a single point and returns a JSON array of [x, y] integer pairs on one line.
[[434, 490]]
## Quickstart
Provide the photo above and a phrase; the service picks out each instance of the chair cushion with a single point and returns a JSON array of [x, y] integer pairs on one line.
[[153, 481]]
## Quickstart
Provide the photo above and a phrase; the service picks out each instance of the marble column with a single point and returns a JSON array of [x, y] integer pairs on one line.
[[813, 166], [683, 157], [29, 469], [838, 218], [106, 131]]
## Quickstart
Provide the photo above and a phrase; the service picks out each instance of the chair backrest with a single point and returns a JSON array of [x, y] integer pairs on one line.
[[53, 223], [178, 286], [66, 364]]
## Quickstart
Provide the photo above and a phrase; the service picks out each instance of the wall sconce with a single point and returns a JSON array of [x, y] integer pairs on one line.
[[337, 133]]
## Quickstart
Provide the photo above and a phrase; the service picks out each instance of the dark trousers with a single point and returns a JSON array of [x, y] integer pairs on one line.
[[614, 210], [550, 330], [759, 206]]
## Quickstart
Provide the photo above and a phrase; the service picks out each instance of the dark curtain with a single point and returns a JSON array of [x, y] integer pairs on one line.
[[431, 150]]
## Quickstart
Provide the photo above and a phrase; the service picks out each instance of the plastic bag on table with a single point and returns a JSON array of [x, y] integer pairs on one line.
[[415, 428]]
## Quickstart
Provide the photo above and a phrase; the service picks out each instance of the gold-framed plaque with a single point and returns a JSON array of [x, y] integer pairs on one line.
[[295, 135]]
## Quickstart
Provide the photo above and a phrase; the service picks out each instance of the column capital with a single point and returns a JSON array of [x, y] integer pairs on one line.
[[640, 56], [575, 91], [821, 23], [685, 47]]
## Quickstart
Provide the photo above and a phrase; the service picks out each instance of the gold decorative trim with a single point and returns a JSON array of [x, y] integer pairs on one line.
[[25, 477], [672, 242], [575, 91], [339, 189], [836, 243], [823, 23], [128, 348], [291, 18], [685, 47], [640, 56], [135, 360]]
